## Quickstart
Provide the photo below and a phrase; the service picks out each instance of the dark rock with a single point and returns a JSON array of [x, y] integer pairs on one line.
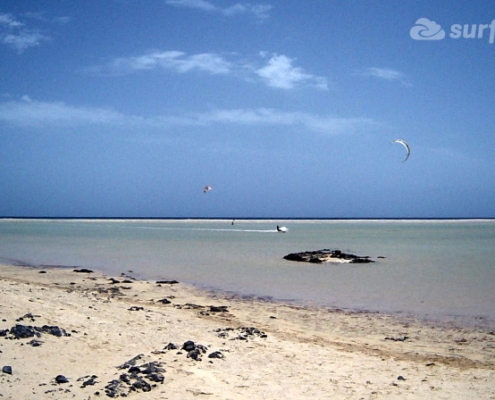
[[251, 331], [244, 333], [216, 354], [219, 309], [115, 388], [164, 301], [131, 362], [23, 331], [136, 308], [83, 270], [4, 332], [401, 378], [136, 378], [189, 306], [89, 382], [28, 316], [141, 384], [171, 346], [35, 343], [326, 255], [113, 281], [361, 260], [151, 368], [61, 379], [125, 378], [201, 348], [155, 377], [194, 354], [53, 330], [7, 369], [167, 282], [188, 346], [194, 350]]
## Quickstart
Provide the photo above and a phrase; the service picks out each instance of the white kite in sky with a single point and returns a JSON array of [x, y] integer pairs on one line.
[[403, 143]]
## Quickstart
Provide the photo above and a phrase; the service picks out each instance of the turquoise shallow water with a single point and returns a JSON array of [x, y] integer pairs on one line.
[[431, 268]]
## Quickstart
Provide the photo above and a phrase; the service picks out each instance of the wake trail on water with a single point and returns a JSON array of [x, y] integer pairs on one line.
[[212, 229]]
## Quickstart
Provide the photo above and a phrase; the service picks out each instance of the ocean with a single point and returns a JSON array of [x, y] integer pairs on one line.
[[429, 268]]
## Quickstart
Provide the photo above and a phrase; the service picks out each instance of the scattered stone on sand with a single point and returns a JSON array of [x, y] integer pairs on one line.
[[83, 270], [7, 369], [399, 339], [216, 354], [88, 381], [194, 350], [171, 346], [28, 316], [243, 333], [131, 362], [137, 378], [23, 332], [27, 331], [61, 379], [218, 309], [327, 256]]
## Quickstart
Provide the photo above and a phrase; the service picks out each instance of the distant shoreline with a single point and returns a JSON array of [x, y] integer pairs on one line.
[[241, 219]]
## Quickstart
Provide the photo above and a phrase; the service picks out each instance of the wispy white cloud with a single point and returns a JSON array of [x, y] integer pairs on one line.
[[40, 16], [172, 60], [267, 116], [196, 4], [31, 113], [39, 114], [24, 40], [260, 11], [17, 35], [387, 74], [7, 20], [280, 73]]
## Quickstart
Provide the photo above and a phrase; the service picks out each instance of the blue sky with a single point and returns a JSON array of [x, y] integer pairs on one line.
[[127, 108]]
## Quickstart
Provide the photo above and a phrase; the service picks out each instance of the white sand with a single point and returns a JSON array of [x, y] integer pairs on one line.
[[306, 354]]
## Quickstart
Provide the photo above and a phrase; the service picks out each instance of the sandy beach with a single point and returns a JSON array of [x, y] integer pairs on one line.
[[85, 335]]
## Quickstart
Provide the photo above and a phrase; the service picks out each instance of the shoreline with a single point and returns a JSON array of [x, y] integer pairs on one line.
[[482, 322], [289, 351]]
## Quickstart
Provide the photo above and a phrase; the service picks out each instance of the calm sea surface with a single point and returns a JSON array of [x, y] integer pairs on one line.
[[431, 267]]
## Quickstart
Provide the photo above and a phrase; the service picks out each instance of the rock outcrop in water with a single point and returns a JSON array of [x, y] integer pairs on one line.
[[327, 256]]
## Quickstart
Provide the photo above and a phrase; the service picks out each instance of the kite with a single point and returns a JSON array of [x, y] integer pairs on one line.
[[404, 143], [207, 189]]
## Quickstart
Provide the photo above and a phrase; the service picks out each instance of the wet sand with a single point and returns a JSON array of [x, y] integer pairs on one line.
[[117, 337]]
